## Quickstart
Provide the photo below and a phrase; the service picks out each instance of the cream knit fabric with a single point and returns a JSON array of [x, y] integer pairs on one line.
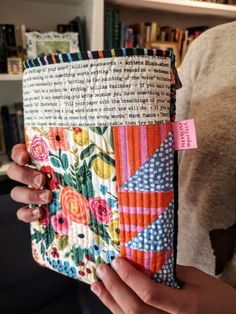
[[207, 183]]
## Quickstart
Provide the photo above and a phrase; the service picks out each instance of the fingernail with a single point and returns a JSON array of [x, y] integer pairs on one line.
[[16, 156], [38, 180], [100, 271], [116, 263], [95, 289], [44, 196], [36, 213]]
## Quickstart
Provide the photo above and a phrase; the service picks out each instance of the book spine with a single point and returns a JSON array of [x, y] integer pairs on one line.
[[10, 40], [81, 28], [153, 36], [110, 30], [106, 29], [20, 125], [116, 20], [76, 26], [14, 129], [20, 40], [3, 50], [6, 130], [122, 35], [146, 34], [2, 140]]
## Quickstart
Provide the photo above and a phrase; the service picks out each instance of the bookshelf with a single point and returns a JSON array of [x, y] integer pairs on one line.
[[8, 77], [4, 166], [182, 6], [44, 15]]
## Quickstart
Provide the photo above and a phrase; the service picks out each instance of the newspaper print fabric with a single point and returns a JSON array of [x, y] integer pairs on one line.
[[113, 189]]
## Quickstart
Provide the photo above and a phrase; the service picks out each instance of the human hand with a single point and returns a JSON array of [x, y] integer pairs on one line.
[[19, 171], [124, 289]]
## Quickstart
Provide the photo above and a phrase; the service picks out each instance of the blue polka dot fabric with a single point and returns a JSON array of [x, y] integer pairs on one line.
[[156, 174], [166, 273]]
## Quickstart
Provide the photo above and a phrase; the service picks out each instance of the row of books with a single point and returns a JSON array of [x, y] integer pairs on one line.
[[75, 26], [12, 43], [144, 34], [112, 29], [11, 127], [13, 39]]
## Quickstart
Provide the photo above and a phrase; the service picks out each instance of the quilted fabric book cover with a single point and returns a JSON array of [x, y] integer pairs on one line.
[[98, 124]]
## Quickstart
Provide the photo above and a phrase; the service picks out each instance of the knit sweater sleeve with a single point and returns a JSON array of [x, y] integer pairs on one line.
[[207, 175], [183, 96]]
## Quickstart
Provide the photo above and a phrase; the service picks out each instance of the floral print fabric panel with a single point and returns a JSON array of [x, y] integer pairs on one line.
[[80, 227]]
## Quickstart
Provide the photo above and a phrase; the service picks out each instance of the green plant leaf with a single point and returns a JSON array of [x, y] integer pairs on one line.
[[111, 139], [90, 163], [63, 242], [67, 254], [100, 231], [90, 188], [84, 191], [69, 180], [55, 161], [83, 173], [48, 236], [87, 151], [104, 129], [58, 176], [87, 188], [36, 235], [98, 261], [42, 249], [107, 159], [97, 130], [65, 162], [77, 254]]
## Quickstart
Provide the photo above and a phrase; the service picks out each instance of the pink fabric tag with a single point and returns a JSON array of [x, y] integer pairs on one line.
[[184, 134]]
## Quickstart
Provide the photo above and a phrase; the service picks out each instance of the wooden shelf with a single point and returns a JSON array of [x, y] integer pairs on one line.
[[4, 166], [182, 6], [3, 169], [10, 77]]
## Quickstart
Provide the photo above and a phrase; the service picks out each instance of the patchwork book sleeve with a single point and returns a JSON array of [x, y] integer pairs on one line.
[[98, 124]]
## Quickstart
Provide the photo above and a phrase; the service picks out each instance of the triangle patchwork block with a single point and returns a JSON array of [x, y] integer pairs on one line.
[[134, 145], [140, 221], [156, 174], [158, 236]]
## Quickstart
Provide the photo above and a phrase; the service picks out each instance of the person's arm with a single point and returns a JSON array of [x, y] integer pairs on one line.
[[124, 289], [19, 171]]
